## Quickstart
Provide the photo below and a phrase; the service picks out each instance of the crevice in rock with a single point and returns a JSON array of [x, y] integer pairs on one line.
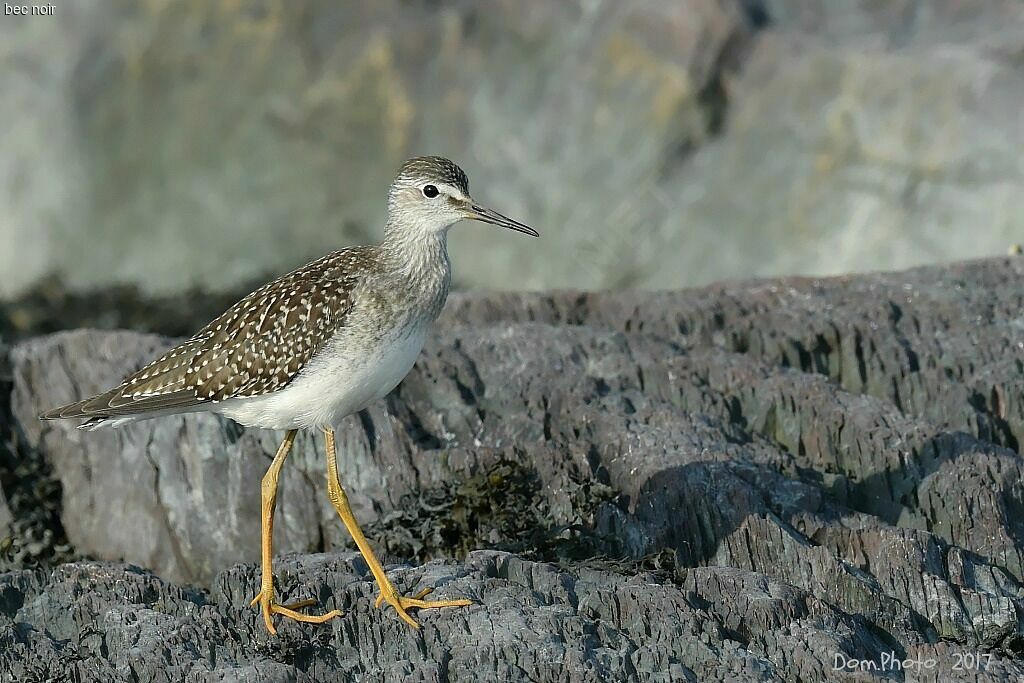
[[172, 533], [32, 491]]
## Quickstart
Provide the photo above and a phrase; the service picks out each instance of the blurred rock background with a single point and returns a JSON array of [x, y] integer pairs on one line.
[[211, 143]]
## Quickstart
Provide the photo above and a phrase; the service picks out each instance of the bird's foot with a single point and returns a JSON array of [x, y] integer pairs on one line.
[[269, 607], [401, 603]]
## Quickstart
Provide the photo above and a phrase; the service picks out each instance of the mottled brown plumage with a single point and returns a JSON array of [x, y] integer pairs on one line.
[[255, 347]]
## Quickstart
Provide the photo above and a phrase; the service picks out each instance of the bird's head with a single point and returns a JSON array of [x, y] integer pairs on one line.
[[430, 194]]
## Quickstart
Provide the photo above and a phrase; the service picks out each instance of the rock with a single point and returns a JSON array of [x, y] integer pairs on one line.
[[901, 23], [309, 112], [632, 135], [5, 420], [891, 129], [528, 620], [5, 389], [164, 481], [805, 469], [30, 495], [5, 517]]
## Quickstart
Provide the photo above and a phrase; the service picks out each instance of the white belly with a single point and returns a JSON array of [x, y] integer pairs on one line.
[[340, 380]]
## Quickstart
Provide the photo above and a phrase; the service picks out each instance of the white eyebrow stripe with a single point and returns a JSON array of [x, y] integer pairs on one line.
[[447, 189]]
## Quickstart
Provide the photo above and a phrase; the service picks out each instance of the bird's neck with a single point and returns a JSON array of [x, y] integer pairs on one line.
[[419, 260]]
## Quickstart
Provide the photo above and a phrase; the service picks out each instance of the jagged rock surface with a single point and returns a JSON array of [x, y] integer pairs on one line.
[[742, 482]]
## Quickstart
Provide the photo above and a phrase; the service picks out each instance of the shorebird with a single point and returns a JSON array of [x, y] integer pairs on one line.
[[314, 346]]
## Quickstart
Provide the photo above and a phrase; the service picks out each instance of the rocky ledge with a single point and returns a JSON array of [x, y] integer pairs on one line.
[[770, 480]]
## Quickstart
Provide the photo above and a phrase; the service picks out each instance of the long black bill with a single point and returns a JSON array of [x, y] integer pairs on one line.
[[479, 213]]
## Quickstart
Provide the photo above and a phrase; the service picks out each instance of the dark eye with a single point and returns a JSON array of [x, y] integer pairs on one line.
[[429, 191]]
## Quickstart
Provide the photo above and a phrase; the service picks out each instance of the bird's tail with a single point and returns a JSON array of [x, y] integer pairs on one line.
[[87, 407], [90, 408]]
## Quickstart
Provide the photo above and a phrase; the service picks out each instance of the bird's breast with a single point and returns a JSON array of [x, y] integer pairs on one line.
[[363, 361], [352, 372]]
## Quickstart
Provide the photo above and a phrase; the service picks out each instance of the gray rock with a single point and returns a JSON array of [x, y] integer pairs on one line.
[[5, 516], [802, 469], [307, 115], [900, 23], [887, 126], [638, 137], [5, 381], [530, 621]]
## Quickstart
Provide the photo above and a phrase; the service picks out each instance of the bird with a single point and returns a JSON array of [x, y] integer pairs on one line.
[[313, 346]]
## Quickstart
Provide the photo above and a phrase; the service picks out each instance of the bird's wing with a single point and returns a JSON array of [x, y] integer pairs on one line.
[[255, 347]]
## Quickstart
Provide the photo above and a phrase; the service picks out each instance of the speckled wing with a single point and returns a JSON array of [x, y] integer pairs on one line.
[[256, 347]]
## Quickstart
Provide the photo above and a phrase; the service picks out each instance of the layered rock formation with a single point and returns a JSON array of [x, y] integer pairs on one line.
[[754, 481]]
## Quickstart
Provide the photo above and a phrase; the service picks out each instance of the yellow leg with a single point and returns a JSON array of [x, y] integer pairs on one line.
[[387, 591], [265, 598]]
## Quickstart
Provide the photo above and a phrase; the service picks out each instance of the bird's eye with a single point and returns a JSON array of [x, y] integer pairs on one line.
[[429, 191]]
